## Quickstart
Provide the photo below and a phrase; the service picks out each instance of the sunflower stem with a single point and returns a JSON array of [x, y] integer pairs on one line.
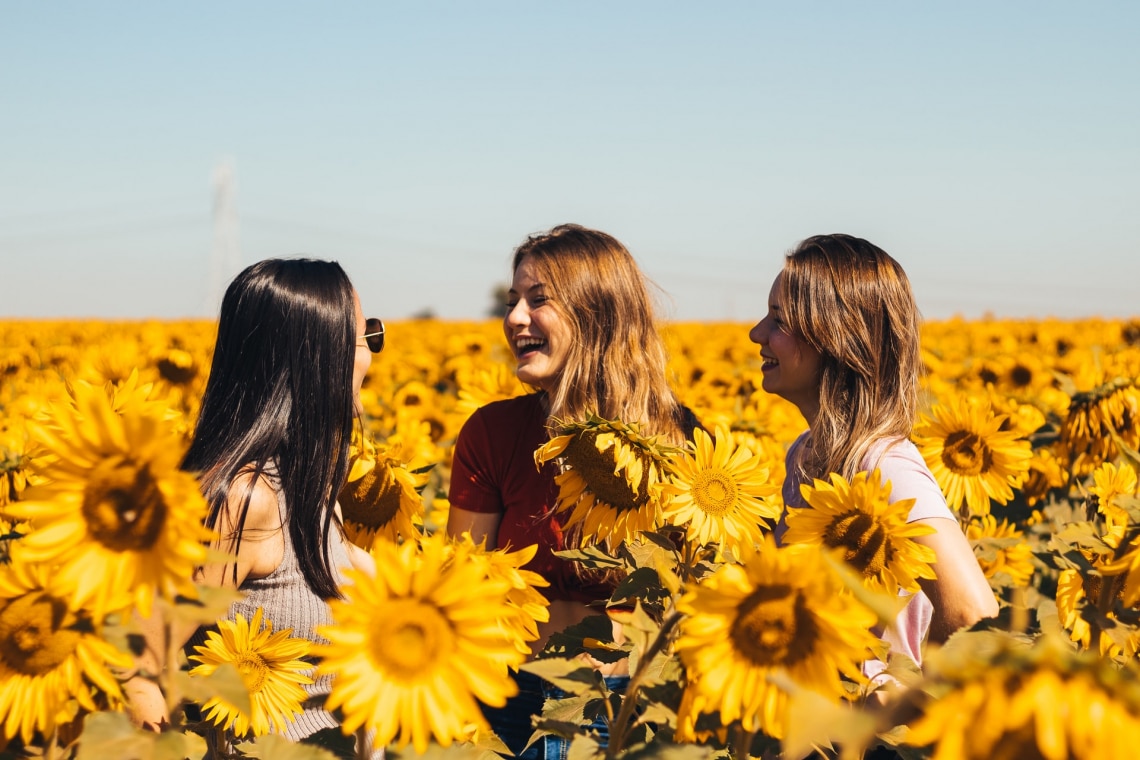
[[620, 728]]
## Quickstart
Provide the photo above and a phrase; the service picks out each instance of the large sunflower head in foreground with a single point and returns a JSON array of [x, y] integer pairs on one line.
[[50, 655], [114, 511], [417, 647], [272, 667], [1012, 701], [872, 533], [381, 497], [784, 610], [611, 478], [719, 493], [973, 453]]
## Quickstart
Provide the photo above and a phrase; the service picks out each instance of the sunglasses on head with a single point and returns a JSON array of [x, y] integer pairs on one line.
[[373, 334]]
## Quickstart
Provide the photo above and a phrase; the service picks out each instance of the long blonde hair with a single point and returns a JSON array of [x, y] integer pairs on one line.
[[616, 364], [853, 303]]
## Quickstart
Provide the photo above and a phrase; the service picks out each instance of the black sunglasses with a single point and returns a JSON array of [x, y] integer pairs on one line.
[[373, 334]]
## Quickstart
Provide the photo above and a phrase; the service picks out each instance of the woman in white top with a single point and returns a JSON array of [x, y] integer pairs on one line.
[[841, 342]]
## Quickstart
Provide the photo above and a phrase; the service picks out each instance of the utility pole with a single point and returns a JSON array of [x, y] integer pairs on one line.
[[225, 255]]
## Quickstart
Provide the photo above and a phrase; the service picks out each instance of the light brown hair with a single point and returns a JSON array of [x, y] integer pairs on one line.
[[616, 364], [853, 303]]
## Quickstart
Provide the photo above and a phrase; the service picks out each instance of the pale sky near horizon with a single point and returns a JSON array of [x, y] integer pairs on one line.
[[992, 148]]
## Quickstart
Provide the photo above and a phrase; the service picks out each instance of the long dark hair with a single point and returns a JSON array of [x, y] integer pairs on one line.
[[280, 396]]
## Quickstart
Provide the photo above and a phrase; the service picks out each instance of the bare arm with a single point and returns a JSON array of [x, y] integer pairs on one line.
[[258, 554], [481, 525], [961, 595]]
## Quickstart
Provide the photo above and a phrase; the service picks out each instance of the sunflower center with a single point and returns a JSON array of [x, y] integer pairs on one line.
[[596, 468], [373, 500], [123, 505], [412, 639], [773, 627], [863, 538], [33, 640], [253, 670], [714, 491], [965, 453]]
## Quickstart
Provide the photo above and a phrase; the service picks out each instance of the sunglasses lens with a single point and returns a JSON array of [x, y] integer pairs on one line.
[[374, 328]]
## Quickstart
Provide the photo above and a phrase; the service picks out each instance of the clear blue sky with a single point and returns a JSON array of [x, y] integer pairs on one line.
[[993, 148]]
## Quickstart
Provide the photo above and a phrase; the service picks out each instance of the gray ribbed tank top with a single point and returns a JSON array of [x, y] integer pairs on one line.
[[287, 601]]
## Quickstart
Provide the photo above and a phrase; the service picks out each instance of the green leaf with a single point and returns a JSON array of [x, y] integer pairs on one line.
[[671, 752], [175, 746], [572, 676], [814, 721], [570, 642], [642, 584], [224, 683], [213, 604], [275, 747], [111, 735], [584, 748], [590, 556]]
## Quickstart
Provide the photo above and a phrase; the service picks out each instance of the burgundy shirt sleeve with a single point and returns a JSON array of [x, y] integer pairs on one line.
[[473, 484]]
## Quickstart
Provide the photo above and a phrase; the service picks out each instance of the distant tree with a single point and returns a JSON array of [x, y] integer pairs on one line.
[[498, 300], [425, 313]]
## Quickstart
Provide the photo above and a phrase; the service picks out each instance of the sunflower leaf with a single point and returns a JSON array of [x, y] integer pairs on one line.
[[274, 747], [110, 734], [593, 557], [175, 746], [583, 748], [212, 604], [573, 676], [571, 641], [224, 683]]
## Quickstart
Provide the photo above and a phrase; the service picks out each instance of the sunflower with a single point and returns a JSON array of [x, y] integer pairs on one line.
[[1044, 701], [1096, 419], [1076, 589], [1110, 483], [272, 667], [530, 607], [719, 492], [1000, 548], [972, 457], [873, 533], [611, 478], [380, 498], [416, 646], [115, 512], [783, 610], [49, 654], [1045, 474]]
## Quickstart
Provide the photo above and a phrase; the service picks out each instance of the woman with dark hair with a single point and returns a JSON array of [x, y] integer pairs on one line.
[[841, 342], [579, 321], [271, 449]]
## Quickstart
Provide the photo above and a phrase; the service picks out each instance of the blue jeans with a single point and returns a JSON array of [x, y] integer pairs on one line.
[[512, 722]]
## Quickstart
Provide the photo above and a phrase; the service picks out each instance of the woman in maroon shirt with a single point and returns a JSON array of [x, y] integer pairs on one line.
[[580, 322]]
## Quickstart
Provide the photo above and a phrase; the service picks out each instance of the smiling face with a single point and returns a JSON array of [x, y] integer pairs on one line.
[[536, 331], [791, 365]]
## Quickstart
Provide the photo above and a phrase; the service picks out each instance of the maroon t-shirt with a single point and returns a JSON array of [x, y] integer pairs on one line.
[[494, 471]]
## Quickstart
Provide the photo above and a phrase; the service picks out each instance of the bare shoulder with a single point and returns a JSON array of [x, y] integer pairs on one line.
[[263, 513]]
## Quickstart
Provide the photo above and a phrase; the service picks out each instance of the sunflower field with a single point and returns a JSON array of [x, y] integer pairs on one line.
[[736, 647]]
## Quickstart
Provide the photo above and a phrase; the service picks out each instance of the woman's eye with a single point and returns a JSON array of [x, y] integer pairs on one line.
[[510, 305]]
